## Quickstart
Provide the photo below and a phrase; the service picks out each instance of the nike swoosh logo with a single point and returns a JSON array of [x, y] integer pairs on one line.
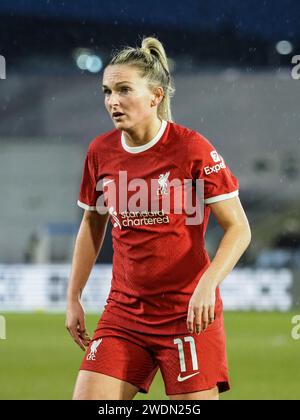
[[181, 379]]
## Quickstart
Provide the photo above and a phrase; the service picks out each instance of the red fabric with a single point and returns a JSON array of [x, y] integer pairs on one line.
[[135, 357], [156, 266]]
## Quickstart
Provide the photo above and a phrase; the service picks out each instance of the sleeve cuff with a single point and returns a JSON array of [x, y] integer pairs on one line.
[[221, 197], [86, 206]]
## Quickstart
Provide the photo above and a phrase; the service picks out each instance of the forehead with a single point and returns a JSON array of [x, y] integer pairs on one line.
[[117, 73]]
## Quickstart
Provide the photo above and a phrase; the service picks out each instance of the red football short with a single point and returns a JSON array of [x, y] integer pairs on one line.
[[188, 362]]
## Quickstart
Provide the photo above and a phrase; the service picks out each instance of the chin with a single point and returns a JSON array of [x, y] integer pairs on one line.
[[121, 125]]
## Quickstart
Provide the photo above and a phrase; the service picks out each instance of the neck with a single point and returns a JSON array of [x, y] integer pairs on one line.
[[143, 133]]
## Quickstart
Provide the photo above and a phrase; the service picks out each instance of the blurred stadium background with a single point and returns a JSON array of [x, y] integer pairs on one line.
[[232, 65]]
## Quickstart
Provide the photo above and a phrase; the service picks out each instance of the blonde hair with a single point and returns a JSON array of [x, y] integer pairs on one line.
[[151, 60]]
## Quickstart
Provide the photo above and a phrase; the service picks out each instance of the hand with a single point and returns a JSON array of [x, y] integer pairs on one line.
[[75, 324], [201, 310]]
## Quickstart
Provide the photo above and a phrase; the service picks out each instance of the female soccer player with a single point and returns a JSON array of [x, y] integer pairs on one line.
[[164, 308]]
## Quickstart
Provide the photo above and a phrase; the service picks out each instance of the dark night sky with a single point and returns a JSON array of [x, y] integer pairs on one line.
[[269, 18]]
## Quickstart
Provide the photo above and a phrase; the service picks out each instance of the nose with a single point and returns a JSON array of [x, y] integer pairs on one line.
[[113, 100]]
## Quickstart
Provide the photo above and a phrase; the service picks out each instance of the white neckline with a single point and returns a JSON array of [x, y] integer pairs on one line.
[[151, 143]]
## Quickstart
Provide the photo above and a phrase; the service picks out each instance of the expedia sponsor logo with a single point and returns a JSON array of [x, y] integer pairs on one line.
[[216, 168], [215, 156]]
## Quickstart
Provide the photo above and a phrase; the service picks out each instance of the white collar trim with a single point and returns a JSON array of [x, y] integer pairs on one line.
[[151, 143]]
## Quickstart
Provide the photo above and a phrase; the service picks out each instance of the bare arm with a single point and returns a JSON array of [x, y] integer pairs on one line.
[[88, 244], [231, 217]]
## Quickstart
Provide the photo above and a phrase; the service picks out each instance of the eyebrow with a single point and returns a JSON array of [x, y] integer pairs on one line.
[[119, 83]]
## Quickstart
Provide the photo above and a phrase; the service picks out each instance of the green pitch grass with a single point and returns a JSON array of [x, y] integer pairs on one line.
[[38, 360]]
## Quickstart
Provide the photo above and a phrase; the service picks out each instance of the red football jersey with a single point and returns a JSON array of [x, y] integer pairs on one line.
[[158, 258]]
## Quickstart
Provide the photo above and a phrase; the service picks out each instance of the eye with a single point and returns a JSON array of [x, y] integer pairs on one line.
[[125, 89], [106, 91]]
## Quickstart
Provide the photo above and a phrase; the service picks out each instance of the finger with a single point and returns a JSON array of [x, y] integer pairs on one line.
[[190, 319], [86, 340], [198, 315], [205, 317], [81, 325], [84, 336], [73, 332], [76, 338], [69, 329], [80, 343], [211, 314]]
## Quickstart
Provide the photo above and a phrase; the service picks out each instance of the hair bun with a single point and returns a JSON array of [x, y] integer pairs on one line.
[[146, 50]]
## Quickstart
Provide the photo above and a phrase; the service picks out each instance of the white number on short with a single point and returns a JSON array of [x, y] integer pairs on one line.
[[179, 343]]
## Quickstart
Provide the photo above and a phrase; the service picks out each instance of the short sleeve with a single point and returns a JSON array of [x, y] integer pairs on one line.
[[208, 165], [88, 195]]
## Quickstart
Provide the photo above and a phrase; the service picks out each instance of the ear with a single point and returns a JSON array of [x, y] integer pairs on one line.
[[157, 96]]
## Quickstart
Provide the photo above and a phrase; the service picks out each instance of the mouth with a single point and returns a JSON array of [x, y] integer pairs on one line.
[[117, 115]]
